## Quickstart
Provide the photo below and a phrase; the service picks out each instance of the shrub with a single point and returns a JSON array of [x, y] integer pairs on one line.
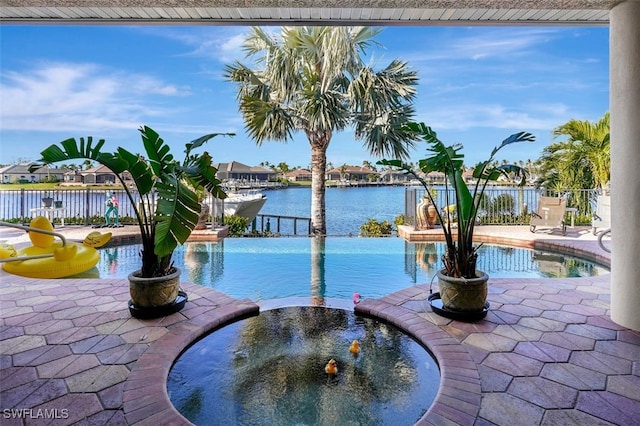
[[237, 225], [373, 228]]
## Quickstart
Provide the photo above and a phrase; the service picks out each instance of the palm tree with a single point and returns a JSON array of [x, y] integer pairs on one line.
[[583, 159], [313, 80]]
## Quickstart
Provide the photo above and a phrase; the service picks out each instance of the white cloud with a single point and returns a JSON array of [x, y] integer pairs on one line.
[[66, 96], [468, 116]]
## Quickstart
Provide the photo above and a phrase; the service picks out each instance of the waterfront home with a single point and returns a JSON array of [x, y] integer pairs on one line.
[[300, 175], [352, 173], [19, 173], [241, 172]]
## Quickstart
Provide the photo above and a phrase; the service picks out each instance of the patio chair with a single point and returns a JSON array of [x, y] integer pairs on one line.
[[602, 215], [550, 214]]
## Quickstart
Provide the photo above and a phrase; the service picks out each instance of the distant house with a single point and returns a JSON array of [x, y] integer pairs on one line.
[[394, 176], [100, 175], [241, 172], [351, 173], [300, 175], [20, 173]]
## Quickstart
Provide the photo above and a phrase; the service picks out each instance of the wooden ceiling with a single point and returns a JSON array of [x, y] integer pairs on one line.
[[347, 12]]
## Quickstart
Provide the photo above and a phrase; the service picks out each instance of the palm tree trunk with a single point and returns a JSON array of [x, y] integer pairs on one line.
[[318, 208]]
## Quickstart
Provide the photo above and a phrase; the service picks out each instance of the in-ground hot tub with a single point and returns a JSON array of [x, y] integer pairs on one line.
[[269, 370]]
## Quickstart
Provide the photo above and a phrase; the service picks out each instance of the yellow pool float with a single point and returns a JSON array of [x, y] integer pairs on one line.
[[49, 259]]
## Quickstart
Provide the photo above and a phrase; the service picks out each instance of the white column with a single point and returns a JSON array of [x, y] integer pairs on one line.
[[624, 98]]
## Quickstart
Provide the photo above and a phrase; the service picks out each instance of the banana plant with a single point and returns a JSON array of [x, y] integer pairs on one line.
[[160, 181], [460, 255]]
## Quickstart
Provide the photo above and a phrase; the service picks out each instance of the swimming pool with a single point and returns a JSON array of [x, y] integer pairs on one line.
[[267, 268]]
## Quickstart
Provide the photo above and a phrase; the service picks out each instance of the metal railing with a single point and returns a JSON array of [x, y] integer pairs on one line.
[[283, 225], [509, 205]]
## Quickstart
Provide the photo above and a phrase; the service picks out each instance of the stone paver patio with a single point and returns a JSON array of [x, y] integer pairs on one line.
[[546, 354]]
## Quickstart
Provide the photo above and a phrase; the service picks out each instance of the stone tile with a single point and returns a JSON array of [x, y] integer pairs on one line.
[[55, 306], [518, 332], [490, 342], [122, 354], [513, 364], [11, 332], [77, 408], [147, 335], [74, 312], [48, 327], [602, 363], [571, 417], [96, 344], [591, 331], [36, 300], [49, 389], [97, 378], [574, 376], [103, 418], [544, 352], [629, 336], [584, 310], [74, 334], [111, 397], [5, 361], [493, 380], [542, 324], [611, 407], [605, 322], [569, 341], [619, 349], [521, 310], [19, 344], [627, 386], [41, 355], [499, 317], [545, 305], [13, 397], [543, 392], [565, 317], [498, 407], [67, 366]]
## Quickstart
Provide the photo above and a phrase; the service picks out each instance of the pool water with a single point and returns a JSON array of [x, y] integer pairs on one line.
[[336, 267], [269, 370]]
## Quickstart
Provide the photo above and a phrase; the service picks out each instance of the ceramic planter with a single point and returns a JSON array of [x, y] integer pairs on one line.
[[463, 295], [155, 297]]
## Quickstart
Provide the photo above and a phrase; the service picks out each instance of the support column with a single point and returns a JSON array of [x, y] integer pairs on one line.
[[624, 99]]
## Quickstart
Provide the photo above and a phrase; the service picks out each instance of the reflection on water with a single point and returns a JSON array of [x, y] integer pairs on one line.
[[269, 370], [334, 267]]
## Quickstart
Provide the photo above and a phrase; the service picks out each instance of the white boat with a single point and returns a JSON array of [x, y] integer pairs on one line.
[[245, 204]]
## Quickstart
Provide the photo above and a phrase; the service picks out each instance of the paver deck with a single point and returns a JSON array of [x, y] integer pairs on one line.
[[547, 353]]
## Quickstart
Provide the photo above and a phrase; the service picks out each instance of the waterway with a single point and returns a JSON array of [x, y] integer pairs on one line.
[[347, 208]]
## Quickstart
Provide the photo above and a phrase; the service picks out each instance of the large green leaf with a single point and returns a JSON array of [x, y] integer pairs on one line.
[[176, 215]]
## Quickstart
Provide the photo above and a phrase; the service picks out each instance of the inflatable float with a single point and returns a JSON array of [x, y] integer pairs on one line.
[[48, 259]]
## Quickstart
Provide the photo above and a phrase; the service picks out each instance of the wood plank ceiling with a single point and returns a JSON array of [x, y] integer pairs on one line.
[[351, 12]]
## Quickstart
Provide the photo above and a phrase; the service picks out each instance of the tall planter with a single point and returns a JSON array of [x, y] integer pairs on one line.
[[157, 296], [426, 214], [463, 294]]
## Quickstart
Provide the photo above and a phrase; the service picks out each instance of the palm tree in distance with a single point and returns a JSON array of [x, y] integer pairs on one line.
[[583, 159], [313, 80]]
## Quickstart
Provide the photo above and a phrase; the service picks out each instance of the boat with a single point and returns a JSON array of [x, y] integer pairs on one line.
[[244, 204]]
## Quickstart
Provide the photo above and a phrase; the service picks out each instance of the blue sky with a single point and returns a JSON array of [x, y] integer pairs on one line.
[[477, 85]]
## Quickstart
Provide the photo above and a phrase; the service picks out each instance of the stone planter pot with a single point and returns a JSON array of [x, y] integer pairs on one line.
[[425, 214], [155, 297], [463, 295]]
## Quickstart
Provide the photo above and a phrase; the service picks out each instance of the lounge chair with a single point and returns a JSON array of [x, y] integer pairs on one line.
[[550, 214], [602, 216]]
